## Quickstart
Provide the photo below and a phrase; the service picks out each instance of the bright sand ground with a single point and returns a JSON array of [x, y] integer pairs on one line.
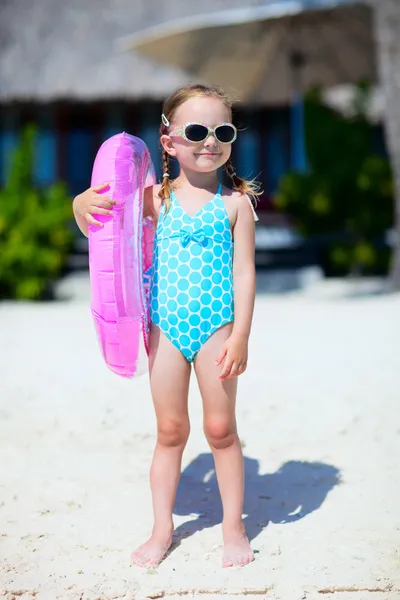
[[319, 418]]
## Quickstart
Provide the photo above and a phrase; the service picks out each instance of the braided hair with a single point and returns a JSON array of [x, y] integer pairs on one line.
[[251, 188], [166, 185]]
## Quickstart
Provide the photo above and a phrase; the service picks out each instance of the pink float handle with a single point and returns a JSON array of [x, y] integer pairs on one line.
[[120, 255]]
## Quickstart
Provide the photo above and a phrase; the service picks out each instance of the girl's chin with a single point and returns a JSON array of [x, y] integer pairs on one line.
[[206, 168], [209, 163]]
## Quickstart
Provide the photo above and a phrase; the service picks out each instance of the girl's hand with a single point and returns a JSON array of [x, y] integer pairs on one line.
[[91, 203], [234, 357]]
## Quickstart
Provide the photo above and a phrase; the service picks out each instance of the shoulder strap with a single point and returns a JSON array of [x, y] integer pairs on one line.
[[252, 208]]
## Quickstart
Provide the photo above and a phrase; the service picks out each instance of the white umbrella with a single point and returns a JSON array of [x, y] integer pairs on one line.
[[269, 54], [258, 50]]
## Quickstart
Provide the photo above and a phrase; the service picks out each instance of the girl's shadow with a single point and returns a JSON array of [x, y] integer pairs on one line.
[[295, 490]]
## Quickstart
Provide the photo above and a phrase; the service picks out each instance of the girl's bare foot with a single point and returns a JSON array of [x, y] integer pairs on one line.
[[237, 550], [153, 551]]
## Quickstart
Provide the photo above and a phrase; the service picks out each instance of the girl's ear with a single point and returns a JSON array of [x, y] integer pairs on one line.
[[167, 144]]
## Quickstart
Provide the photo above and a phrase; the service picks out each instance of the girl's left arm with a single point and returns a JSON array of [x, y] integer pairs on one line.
[[244, 286]]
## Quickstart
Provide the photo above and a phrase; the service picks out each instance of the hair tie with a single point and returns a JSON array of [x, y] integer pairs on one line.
[[165, 174], [165, 120]]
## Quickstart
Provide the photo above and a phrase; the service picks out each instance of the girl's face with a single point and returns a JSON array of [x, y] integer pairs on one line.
[[205, 156]]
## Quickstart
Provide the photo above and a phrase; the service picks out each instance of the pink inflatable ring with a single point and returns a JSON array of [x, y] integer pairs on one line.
[[120, 256]]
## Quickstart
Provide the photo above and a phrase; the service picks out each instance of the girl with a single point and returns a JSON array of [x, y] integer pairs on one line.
[[201, 305]]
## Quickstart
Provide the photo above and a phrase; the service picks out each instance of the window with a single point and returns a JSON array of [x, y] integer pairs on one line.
[[277, 148], [45, 166], [149, 132], [246, 156], [114, 121], [9, 137], [80, 147]]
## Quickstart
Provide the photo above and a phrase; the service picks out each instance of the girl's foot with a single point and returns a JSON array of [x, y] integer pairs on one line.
[[237, 550], [153, 551]]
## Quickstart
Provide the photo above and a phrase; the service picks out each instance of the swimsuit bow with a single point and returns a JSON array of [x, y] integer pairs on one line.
[[187, 235]]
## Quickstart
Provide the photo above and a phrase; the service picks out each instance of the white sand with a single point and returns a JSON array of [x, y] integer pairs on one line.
[[319, 416]]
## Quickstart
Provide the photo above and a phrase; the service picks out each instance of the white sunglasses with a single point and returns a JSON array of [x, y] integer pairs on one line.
[[225, 133]]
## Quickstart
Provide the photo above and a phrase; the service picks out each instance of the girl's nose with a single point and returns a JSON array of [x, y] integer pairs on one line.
[[211, 140]]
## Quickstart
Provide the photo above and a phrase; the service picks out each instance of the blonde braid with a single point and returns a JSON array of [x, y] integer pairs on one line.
[[251, 188], [165, 190]]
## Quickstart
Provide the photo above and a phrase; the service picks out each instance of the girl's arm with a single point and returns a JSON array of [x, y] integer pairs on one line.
[[234, 352], [244, 272]]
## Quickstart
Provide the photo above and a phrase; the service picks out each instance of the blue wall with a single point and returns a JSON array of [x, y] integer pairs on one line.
[[69, 136]]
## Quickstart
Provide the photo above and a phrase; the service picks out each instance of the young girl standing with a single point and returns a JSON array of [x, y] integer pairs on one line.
[[202, 302]]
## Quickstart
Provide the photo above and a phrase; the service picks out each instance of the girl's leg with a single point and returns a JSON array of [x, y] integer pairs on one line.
[[219, 398], [169, 381]]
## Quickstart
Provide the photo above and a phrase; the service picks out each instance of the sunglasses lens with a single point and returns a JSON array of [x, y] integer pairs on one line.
[[196, 133], [225, 134]]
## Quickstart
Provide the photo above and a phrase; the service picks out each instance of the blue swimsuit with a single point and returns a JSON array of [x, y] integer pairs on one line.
[[192, 289]]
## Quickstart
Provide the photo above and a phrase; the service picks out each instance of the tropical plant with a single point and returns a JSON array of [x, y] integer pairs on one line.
[[346, 197], [34, 236]]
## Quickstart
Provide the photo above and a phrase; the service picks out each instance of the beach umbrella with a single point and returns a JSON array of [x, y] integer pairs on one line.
[[269, 54]]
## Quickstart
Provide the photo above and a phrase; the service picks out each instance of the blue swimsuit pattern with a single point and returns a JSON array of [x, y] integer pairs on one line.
[[192, 288]]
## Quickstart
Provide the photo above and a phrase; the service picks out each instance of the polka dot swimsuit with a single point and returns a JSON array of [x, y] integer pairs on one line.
[[192, 289]]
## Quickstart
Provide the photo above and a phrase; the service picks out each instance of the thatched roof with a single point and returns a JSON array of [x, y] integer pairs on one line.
[[52, 50]]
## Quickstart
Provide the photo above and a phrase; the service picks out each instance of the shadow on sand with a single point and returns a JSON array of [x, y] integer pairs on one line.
[[294, 491]]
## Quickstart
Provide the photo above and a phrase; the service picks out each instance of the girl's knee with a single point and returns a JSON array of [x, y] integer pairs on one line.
[[220, 433], [173, 432]]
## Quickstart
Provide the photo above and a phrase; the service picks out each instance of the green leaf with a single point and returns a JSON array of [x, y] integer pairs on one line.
[[35, 232]]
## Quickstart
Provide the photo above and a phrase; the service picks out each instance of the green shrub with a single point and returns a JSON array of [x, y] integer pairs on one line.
[[347, 192], [34, 236]]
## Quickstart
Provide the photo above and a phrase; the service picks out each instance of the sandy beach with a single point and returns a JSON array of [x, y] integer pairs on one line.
[[319, 420]]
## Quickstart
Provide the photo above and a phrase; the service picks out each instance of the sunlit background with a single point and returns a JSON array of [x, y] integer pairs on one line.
[[310, 107]]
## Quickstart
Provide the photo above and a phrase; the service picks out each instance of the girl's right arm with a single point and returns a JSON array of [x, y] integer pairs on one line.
[[90, 203]]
